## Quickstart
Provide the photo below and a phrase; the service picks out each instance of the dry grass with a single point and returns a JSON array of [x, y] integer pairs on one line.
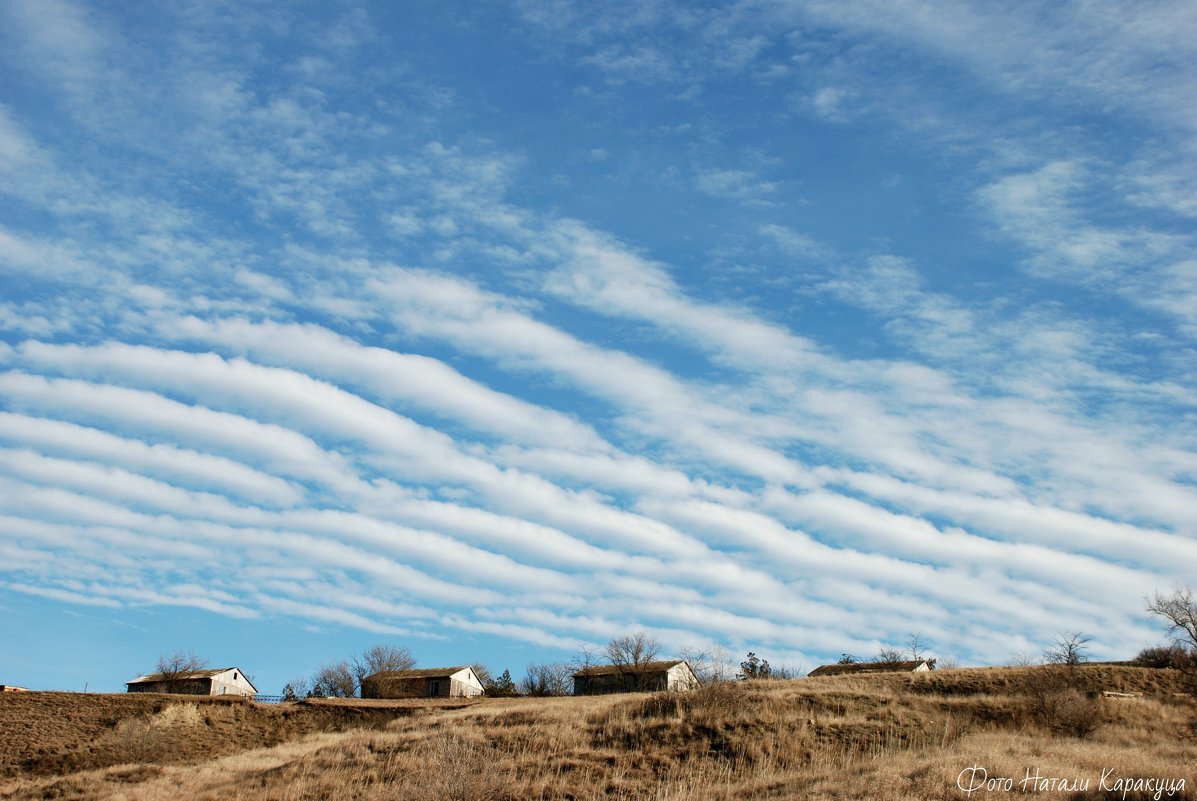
[[878, 737], [63, 733]]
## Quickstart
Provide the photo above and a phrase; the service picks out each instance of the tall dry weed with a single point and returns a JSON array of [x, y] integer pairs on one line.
[[456, 768], [148, 738]]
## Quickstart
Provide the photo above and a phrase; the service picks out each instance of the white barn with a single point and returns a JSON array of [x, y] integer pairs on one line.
[[448, 682], [672, 675], [218, 681]]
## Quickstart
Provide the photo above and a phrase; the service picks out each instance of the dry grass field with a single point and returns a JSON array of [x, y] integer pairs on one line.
[[920, 736]]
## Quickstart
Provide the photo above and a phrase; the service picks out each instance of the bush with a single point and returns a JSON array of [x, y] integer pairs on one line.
[[1072, 713], [1056, 703], [1166, 656]]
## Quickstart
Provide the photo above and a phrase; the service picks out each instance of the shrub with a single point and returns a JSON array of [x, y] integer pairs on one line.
[[1056, 703], [1173, 655]]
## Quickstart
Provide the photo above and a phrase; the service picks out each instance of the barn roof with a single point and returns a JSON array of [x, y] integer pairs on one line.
[[417, 673], [908, 666], [181, 676], [647, 667]]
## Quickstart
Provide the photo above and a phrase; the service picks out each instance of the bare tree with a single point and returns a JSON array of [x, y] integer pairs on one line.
[[917, 646], [1069, 649], [712, 664], [632, 650], [295, 689], [586, 657], [379, 658], [1021, 659], [180, 665], [889, 655], [629, 654], [785, 672], [335, 680], [1179, 611], [546, 680]]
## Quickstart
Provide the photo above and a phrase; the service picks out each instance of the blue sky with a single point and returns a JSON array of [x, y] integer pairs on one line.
[[498, 329]]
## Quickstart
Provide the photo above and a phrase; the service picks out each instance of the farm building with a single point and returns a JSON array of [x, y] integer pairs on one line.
[[857, 668], [12, 688], [219, 681], [649, 677], [447, 682]]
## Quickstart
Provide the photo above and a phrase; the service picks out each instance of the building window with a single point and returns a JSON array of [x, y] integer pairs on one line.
[[434, 688]]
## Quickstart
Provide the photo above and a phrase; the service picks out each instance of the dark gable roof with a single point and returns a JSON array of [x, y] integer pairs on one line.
[[417, 673], [867, 667], [647, 667]]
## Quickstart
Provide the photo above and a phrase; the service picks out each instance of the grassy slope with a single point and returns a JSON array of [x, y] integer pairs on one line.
[[51, 733], [880, 737]]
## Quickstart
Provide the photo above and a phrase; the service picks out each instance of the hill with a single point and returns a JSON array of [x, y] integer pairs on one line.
[[893, 736], [52, 733]]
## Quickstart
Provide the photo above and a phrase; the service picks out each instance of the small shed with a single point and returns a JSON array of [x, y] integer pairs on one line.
[[858, 668], [218, 681], [446, 682], [673, 675], [12, 688]]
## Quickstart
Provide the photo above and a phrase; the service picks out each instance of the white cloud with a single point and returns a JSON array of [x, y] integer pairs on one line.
[[404, 224], [389, 376], [285, 452], [742, 185], [1041, 210], [1101, 54], [64, 595], [794, 242], [191, 467], [17, 149], [830, 103], [63, 29], [122, 487]]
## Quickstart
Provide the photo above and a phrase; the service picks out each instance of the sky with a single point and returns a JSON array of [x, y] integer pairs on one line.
[[496, 330]]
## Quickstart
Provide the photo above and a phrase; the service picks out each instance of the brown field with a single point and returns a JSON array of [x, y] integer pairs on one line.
[[865, 737]]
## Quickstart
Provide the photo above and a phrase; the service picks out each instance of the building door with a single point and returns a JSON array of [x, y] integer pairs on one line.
[[434, 688]]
